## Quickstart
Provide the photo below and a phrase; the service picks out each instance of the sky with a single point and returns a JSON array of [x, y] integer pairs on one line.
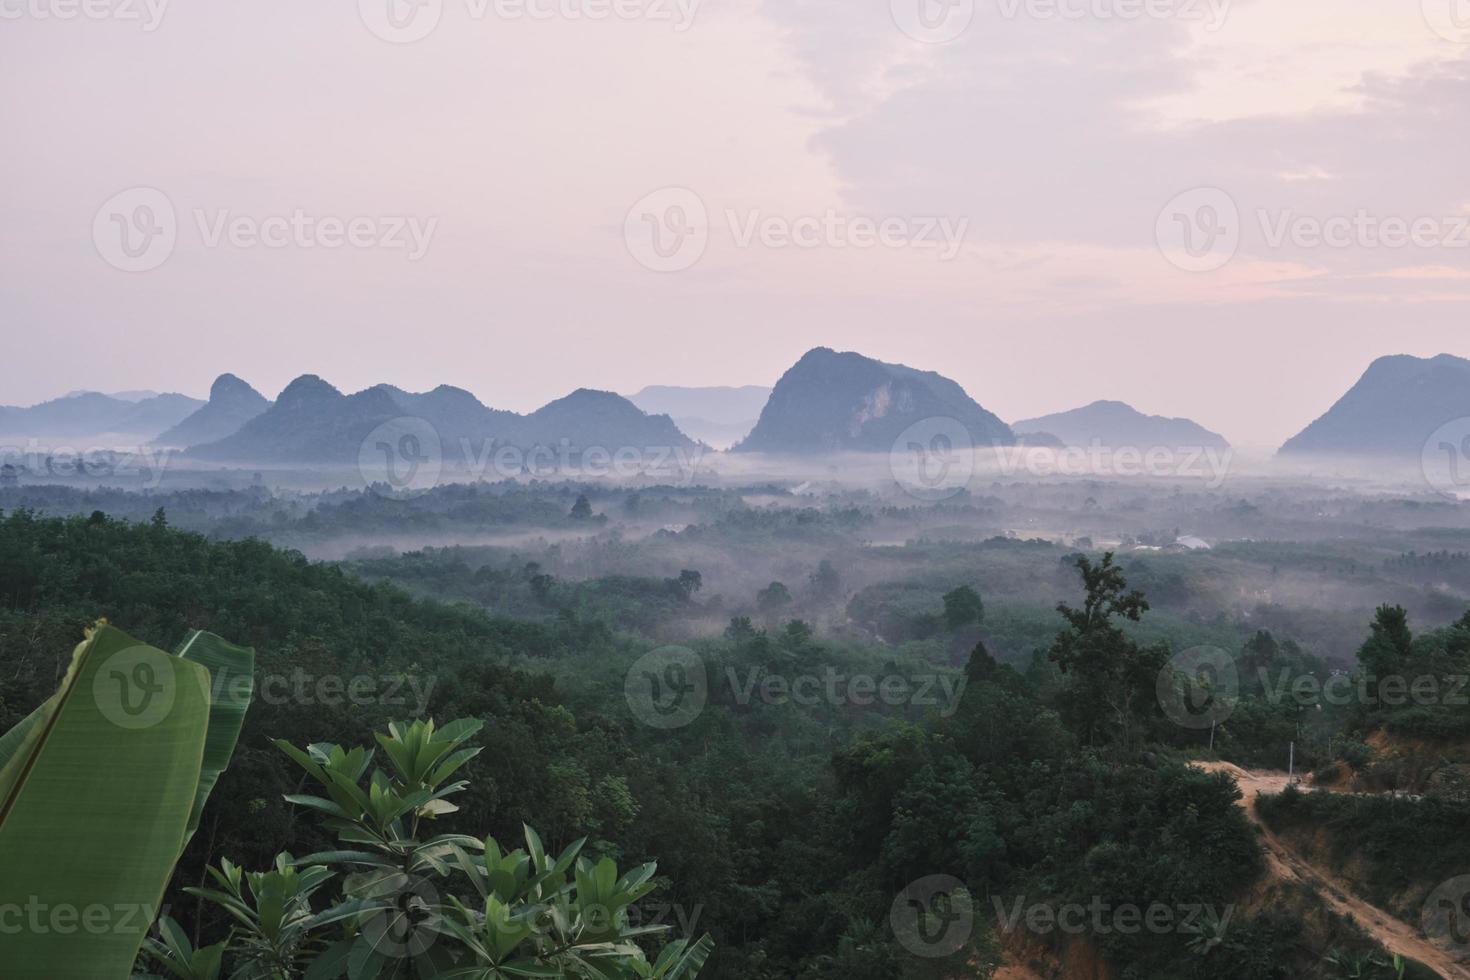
[[1213, 209]]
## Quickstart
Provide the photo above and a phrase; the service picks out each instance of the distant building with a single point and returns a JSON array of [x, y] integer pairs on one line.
[[9, 476], [1192, 543]]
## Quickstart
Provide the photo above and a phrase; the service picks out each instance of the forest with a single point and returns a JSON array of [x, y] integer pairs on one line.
[[876, 724]]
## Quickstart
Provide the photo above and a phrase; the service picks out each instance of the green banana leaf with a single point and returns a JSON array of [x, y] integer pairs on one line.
[[231, 684], [96, 795]]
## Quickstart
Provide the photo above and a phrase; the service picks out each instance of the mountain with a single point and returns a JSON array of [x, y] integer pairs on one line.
[[122, 396], [1115, 425], [830, 401], [1396, 405], [231, 404], [90, 413], [310, 422], [598, 418], [313, 422], [717, 416]]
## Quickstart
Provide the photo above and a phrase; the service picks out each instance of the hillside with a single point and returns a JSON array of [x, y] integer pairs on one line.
[[598, 418], [831, 402], [231, 404], [1395, 406], [310, 422], [90, 413], [1115, 424], [314, 422]]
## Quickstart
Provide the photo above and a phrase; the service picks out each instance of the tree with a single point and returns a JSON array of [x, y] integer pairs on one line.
[[582, 509], [826, 582], [740, 629], [1111, 679], [690, 582], [773, 598], [963, 607], [1387, 650]]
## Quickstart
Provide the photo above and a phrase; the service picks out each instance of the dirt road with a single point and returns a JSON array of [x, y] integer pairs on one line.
[[1394, 935]]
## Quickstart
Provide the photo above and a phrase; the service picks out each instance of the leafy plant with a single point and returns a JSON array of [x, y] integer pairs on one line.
[[118, 764], [448, 906]]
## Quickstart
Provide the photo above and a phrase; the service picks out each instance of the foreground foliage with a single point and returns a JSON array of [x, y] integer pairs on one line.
[[445, 907]]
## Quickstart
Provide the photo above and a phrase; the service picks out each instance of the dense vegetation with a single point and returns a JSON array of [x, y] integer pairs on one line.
[[786, 827]]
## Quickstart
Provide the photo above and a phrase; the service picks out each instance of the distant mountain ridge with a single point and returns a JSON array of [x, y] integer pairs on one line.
[[90, 413], [313, 422], [1393, 408], [231, 404], [1114, 424], [832, 401]]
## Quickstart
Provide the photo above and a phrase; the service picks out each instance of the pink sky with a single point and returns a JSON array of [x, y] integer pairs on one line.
[[1056, 143]]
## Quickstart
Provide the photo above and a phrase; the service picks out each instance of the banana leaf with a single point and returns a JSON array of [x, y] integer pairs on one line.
[[231, 684], [96, 795]]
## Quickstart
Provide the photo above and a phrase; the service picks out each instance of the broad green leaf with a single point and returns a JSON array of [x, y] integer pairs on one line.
[[111, 767], [231, 684], [11, 741]]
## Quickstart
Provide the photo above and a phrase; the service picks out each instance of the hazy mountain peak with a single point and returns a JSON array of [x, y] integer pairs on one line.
[[229, 386], [1116, 424], [232, 403], [831, 401], [306, 388], [1396, 405]]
